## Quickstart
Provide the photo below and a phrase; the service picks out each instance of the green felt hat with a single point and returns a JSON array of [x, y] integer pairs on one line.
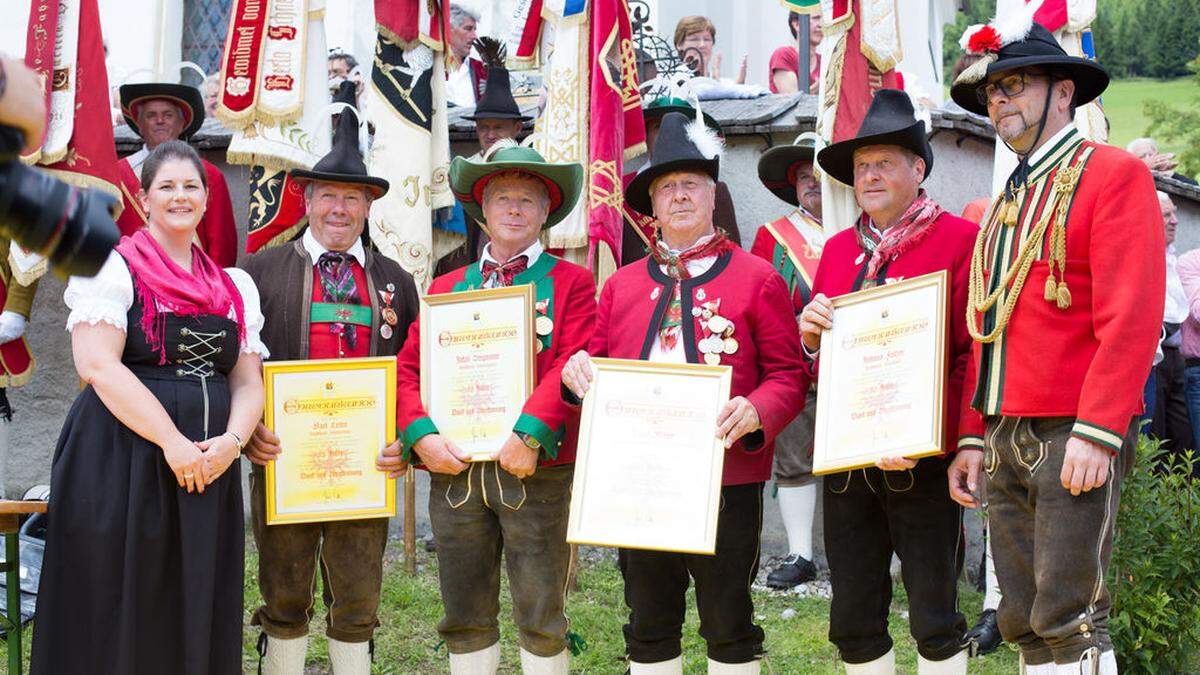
[[562, 181], [667, 104]]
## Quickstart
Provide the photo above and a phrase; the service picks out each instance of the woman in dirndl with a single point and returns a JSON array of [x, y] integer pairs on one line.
[[144, 541]]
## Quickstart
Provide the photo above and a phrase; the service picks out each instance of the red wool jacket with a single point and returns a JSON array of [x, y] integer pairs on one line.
[[766, 365], [947, 246], [1090, 360], [546, 417]]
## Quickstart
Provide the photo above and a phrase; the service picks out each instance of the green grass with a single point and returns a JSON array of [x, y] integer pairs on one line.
[[1123, 104], [407, 641]]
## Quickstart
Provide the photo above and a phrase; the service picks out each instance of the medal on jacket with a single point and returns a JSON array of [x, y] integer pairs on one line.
[[385, 331], [543, 323], [718, 333]]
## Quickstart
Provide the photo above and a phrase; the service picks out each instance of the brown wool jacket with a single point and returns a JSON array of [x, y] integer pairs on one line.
[[284, 276]]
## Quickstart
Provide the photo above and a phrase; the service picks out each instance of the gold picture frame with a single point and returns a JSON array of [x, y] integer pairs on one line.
[[648, 465], [481, 369], [881, 389], [333, 417]]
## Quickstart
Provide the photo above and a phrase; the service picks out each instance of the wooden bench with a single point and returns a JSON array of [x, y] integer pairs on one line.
[[10, 525]]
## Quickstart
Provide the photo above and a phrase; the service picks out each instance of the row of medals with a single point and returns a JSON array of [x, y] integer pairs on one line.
[[720, 339], [544, 326]]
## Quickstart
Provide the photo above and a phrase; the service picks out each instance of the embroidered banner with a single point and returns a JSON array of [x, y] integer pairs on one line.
[[616, 127], [525, 34], [241, 62], [84, 154], [411, 149], [276, 205], [283, 66]]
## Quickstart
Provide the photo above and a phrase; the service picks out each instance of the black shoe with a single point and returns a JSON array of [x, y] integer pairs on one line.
[[984, 636], [794, 571]]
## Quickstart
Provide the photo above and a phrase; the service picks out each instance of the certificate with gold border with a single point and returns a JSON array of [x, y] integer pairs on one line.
[[648, 464], [332, 417], [477, 364], [882, 375]]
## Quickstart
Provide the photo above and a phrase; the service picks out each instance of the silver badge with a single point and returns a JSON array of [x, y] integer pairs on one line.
[[386, 331]]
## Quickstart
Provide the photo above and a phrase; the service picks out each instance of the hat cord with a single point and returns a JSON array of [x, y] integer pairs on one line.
[[1020, 175]]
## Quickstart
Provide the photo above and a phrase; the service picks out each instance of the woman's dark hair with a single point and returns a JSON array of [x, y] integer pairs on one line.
[[793, 22], [166, 152]]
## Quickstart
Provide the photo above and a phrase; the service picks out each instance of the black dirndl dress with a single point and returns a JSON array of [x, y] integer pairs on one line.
[[139, 576]]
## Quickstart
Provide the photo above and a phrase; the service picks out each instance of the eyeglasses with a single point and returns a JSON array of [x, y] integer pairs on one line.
[[1011, 86]]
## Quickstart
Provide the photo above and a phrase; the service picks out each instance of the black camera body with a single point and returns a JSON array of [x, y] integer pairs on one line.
[[72, 227]]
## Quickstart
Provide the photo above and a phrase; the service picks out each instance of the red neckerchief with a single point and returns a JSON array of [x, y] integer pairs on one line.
[[907, 232], [504, 273], [676, 264]]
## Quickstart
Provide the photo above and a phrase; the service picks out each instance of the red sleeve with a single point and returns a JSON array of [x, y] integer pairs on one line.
[[545, 413], [1127, 262], [969, 434], [218, 229], [764, 245], [412, 422], [786, 58], [779, 396]]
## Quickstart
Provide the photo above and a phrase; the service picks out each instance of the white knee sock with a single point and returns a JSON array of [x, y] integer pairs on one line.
[[285, 657], [480, 662], [672, 667], [991, 598], [350, 658], [884, 665], [797, 506], [955, 665], [532, 664], [749, 668]]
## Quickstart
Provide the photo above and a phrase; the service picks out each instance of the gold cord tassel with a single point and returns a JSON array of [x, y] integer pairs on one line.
[[1051, 288], [1011, 211], [1064, 295]]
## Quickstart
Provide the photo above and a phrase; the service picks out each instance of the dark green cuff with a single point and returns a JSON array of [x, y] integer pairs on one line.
[[420, 428], [544, 435]]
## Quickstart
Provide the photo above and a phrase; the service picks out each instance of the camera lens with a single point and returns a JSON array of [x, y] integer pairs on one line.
[[71, 227]]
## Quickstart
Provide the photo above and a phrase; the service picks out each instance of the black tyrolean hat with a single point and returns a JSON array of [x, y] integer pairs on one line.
[[1005, 48], [497, 102], [683, 145], [344, 163], [891, 120], [777, 167], [189, 100]]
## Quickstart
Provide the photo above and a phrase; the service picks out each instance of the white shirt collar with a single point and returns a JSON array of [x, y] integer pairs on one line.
[[137, 159], [531, 254], [315, 249], [1049, 145]]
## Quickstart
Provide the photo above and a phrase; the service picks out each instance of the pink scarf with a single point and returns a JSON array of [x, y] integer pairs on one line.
[[161, 284], [907, 232]]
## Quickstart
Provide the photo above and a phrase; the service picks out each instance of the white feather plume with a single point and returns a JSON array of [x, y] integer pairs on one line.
[[1015, 25], [705, 139], [498, 146]]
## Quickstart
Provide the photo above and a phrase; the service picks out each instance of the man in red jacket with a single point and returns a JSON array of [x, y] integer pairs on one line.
[[792, 244], [160, 112], [699, 298], [901, 506], [517, 194], [1067, 288]]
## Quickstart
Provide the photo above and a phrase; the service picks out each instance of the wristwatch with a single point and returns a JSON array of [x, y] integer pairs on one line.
[[529, 441]]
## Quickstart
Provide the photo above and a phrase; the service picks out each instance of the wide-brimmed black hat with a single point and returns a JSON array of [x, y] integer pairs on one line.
[[497, 102], [1036, 49], [891, 120], [777, 167], [344, 163], [683, 145], [189, 100]]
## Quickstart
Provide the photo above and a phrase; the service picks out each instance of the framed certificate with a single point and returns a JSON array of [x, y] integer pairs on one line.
[[883, 366], [332, 417], [648, 465], [477, 364]]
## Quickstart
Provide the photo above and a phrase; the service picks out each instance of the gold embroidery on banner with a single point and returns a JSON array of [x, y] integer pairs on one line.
[[629, 90], [597, 194]]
